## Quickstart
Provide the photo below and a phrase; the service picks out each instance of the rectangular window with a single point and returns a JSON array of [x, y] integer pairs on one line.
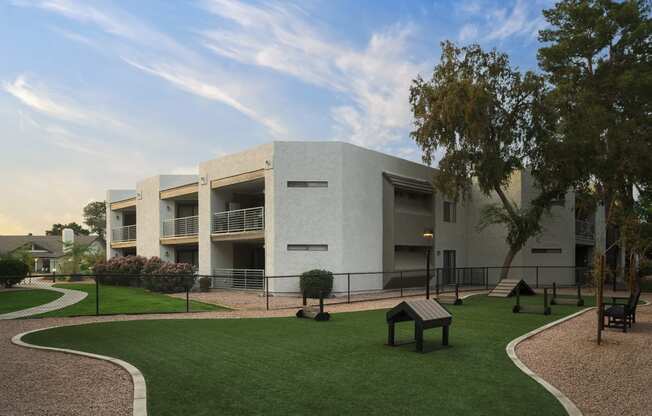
[[307, 184], [450, 214], [546, 251], [307, 247]]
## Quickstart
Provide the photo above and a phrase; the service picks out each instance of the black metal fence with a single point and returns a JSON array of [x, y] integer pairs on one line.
[[140, 294], [87, 294]]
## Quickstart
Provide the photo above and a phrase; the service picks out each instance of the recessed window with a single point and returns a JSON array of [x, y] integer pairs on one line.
[[546, 251], [307, 247], [307, 184], [450, 214]]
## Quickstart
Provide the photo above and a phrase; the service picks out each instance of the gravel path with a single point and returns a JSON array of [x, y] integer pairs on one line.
[[36, 382], [70, 297], [610, 379]]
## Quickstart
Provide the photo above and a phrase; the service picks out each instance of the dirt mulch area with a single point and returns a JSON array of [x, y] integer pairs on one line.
[[35, 382], [611, 379]]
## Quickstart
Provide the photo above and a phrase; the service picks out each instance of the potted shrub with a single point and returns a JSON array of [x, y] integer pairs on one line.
[[314, 282]]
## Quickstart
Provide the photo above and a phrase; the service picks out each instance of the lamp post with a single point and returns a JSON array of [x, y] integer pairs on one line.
[[428, 234]]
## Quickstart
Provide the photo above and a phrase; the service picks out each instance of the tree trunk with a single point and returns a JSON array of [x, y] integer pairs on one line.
[[508, 262]]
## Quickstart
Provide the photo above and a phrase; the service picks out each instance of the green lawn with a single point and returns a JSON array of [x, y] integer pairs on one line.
[[119, 299], [289, 366], [15, 300]]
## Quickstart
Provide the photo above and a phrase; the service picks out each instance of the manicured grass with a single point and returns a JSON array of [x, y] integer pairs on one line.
[[15, 300], [119, 299], [289, 366]]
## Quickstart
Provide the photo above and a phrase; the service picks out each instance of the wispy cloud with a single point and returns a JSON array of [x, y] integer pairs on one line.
[[521, 20], [39, 98], [375, 78], [183, 79], [157, 54], [40, 101]]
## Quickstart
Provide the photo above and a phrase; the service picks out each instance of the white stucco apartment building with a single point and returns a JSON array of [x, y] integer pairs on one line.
[[286, 207]]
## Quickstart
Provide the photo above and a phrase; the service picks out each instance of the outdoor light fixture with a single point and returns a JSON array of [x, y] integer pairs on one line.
[[428, 233]]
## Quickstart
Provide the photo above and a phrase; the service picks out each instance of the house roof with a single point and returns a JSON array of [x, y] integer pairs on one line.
[[51, 244]]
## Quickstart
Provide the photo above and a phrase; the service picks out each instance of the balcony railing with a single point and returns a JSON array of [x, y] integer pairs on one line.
[[180, 227], [585, 229], [238, 279], [122, 234], [239, 220]]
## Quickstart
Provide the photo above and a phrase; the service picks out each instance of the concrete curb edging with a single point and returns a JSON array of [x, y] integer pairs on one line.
[[137, 378], [567, 403]]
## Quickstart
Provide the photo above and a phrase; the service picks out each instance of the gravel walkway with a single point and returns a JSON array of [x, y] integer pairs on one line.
[[611, 379], [70, 297], [37, 382]]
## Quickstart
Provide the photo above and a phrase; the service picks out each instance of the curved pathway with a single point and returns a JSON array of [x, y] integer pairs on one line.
[[70, 297], [609, 379]]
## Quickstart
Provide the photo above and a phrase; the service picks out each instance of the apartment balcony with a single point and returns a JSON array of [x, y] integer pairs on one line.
[[239, 224], [238, 279], [585, 231], [123, 237], [182, 230]]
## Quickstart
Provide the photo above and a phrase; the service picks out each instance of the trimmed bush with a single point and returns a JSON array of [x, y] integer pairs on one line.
[[315, 281], [160, 276], [204, 284], [14, 268]]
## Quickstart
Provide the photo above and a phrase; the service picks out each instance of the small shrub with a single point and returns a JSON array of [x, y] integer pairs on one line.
[[14, 268], [315, 281], [168, 277], [204, 284]]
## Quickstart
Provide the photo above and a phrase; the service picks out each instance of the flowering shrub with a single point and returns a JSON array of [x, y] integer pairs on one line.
[[153, 273], [166, 277], [119, 271]]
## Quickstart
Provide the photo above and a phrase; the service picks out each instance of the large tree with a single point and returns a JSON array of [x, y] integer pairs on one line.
[[485, 116], [95, 217], [597, 58], [57, 229]]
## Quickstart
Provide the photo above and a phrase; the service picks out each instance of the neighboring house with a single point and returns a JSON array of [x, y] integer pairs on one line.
[[47, 250], [286, 207]]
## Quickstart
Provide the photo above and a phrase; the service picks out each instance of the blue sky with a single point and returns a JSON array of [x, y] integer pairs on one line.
[[97, 95]]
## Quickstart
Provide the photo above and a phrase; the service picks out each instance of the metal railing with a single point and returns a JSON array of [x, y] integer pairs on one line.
[[180, 227], [238, 279], [239, 220], [122, 234], [585, 229]]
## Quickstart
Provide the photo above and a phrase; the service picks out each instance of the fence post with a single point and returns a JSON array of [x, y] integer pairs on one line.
[[187, 299], [537, 276], [348, 289], [97, 295], [486, 278], [437, 284], [266, 292], [401, 282]]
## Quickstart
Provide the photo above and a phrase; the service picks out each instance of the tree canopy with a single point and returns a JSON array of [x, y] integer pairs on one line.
[[486, 117], [95, 217]]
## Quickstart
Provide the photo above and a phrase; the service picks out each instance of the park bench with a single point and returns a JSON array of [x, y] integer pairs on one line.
[[622, 315]]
